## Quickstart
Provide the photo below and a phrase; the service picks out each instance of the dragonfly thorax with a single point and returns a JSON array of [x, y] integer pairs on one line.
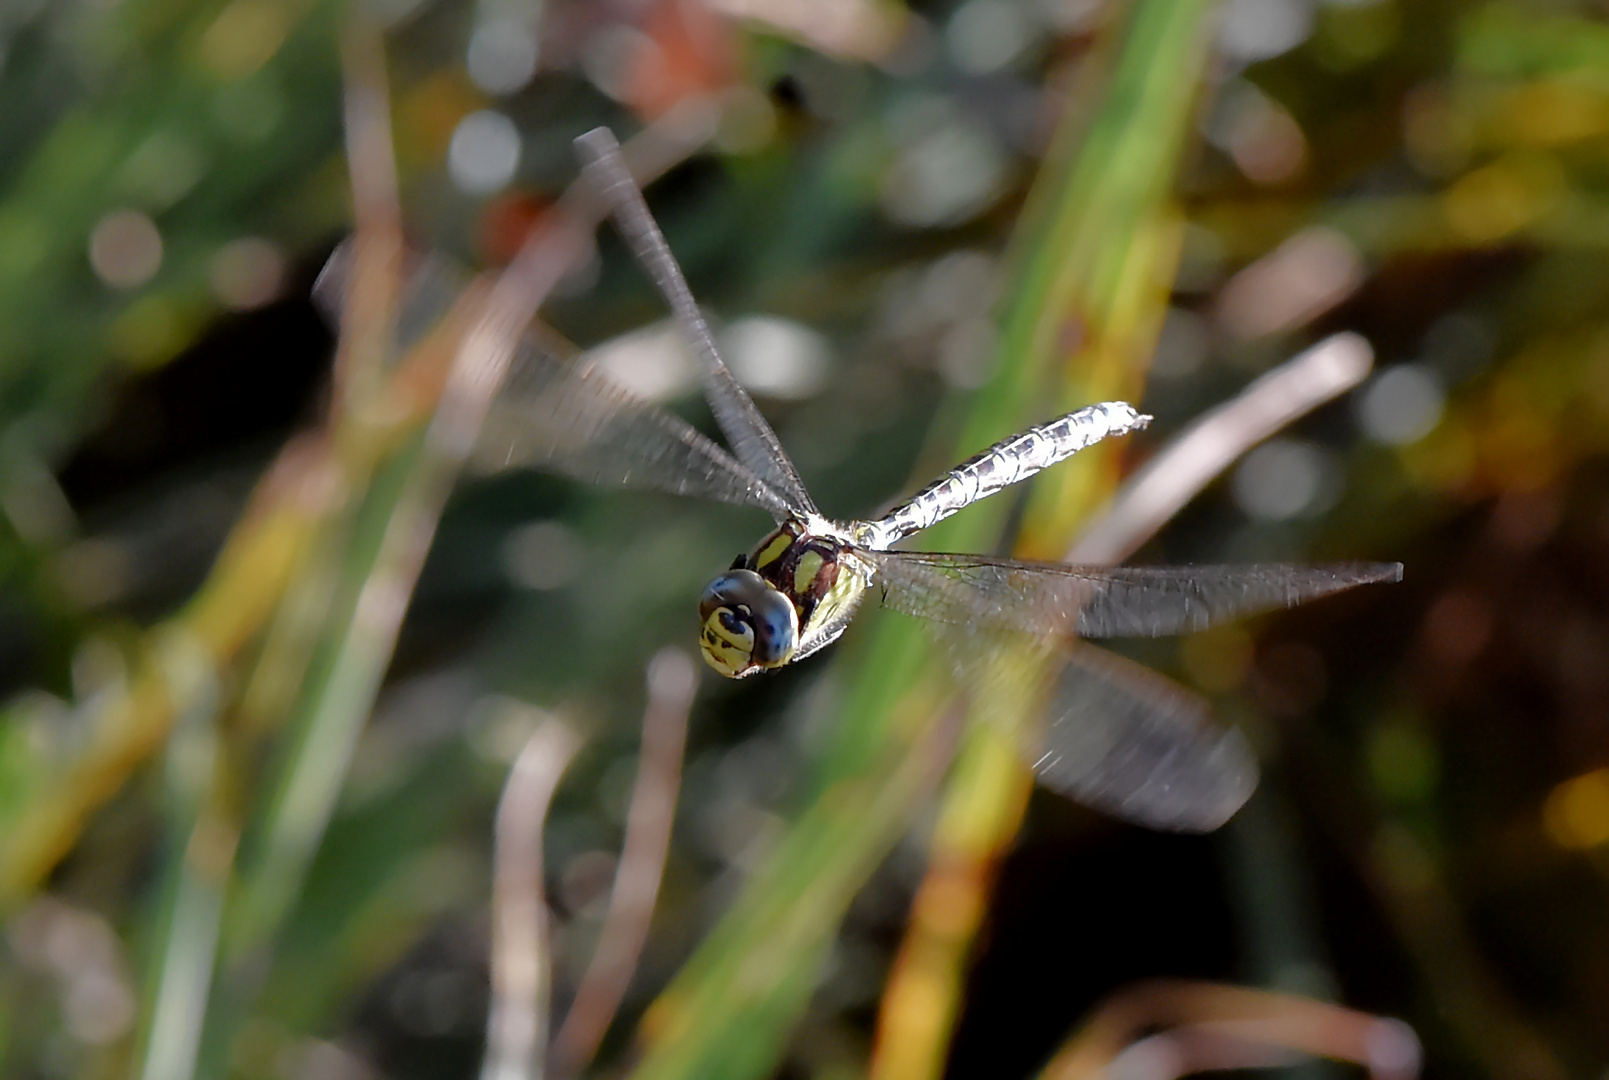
[[788, 597]]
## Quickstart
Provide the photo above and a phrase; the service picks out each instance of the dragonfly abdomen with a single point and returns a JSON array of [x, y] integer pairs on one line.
[[1007, 462]]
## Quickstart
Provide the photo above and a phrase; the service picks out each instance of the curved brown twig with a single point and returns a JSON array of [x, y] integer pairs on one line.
[[1216, 439], [1210, 1026], [672, 681], [516, 1028]]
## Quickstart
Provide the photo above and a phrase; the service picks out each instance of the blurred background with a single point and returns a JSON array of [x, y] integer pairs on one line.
[[227, 847]]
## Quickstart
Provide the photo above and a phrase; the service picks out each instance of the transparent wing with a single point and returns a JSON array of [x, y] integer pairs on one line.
[[560, 413], [1103, 730], [1114, 735], [563, 414], [1124, 601], [1124, 740], [752, 439]]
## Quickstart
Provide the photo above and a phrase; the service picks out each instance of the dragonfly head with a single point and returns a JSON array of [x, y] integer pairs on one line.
[[748, 624]]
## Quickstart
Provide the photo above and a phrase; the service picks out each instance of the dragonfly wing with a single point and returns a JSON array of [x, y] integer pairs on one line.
[[1124, 740], [431, 285], [560, 413], [1116, 736], [1123, 601], [1102, 730], [752, 439], [563, 414]]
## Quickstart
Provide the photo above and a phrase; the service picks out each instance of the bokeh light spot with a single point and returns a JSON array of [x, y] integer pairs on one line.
[[652, 362], [1268, 146], [1576, 813], [247, 273], [244, 37], [777, 357], [502, 55], [484, 152], [1402, 405], [1501, 198], [1252, 30], [986, 35], [615, 55], [944, 177], [125, 248], [1283, 479]]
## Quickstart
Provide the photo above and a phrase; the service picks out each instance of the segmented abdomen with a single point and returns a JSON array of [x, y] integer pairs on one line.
[[1007, 462]]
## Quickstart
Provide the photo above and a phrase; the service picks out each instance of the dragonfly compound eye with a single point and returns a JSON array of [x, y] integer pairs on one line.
[[748, 625]]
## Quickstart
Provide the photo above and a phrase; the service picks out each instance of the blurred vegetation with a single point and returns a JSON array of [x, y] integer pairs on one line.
[[245, 828]]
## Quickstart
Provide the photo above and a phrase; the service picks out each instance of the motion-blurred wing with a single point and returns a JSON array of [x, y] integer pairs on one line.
[[1102, 730], [1124, 740], [751, 438], [560, 413], [567, 416], [1123, 601]]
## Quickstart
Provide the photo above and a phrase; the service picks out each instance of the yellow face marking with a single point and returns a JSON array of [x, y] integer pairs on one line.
[[773, 551], [804, 575], [727, 652]]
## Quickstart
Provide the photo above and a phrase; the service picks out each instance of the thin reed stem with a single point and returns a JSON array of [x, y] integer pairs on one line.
[[516, 1027], [1216, 439], [672, 682]]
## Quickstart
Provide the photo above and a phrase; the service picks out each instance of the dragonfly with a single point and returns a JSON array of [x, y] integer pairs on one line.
[[1113, 734]]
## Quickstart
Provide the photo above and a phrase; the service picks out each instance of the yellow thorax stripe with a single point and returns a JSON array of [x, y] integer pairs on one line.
[[804, 575], [773, 551]]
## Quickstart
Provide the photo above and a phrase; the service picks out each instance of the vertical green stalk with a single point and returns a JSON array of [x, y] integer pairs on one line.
[[172, 1040], [203, 838], [344, 679], [340, 691]]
